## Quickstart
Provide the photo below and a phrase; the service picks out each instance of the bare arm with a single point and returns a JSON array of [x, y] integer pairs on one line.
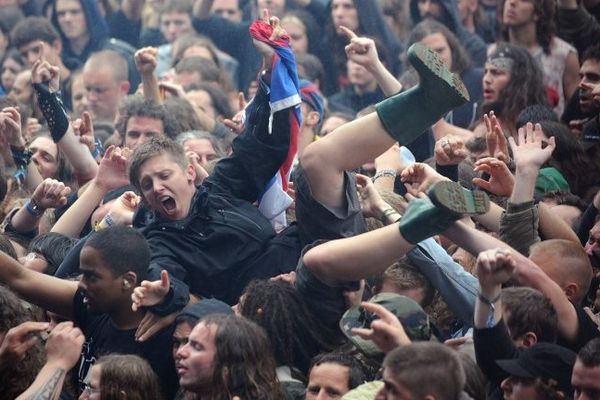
[[42, 290], [145, 62], [554, 227], [49, 194], [63, 349]]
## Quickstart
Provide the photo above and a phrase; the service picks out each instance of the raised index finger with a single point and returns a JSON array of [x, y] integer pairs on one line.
[[348, 33]]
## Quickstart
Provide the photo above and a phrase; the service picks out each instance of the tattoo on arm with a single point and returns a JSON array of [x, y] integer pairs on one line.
[[50, 389]]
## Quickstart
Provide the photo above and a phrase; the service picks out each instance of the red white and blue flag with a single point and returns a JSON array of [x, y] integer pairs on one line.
[[274, 199]]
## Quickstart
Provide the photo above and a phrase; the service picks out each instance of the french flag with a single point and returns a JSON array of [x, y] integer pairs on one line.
[[285, 94]]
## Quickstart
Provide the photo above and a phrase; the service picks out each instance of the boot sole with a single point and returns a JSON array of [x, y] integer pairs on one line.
[[452, 196], [429, 64]]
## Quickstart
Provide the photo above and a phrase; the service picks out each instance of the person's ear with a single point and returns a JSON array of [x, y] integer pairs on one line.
[[129, 281], [312, 119], [124, 87], [529, 339], [190, 173], [57, 45], [571, 290]]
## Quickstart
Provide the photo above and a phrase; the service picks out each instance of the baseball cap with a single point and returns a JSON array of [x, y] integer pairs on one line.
[[414, 320], [310, 94], [546, 361], [203, 308]]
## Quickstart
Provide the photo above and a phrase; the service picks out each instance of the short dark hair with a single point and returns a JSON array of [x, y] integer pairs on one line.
[[54, 247], [404, 275], [154, 148], [536, 113], [591, 53], [9, 17], [137, 106], [312, 68], [427, 368], [32, 29], [177, 6], [122, 249], [589, 355], [356, 373], [530, 311]]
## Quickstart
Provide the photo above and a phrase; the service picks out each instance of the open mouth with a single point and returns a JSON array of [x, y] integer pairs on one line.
[[168, 204]]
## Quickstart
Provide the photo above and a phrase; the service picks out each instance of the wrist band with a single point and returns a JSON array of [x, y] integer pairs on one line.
[[386, 213], [53, 109], [384, 172], [33, 208], [489, 302]]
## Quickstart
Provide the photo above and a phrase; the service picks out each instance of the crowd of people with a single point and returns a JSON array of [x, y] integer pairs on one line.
[[301, 199]]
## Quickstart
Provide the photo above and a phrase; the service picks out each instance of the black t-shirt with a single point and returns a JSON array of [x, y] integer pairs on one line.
[[103, 338], [587, 331]]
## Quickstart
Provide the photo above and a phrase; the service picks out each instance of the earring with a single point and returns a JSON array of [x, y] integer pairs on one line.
[[126, 285]]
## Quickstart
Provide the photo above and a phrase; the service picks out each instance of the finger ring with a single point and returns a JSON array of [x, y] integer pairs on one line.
[[445, 142]]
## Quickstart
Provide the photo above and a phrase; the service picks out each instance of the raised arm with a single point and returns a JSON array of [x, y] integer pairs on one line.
[[202, 9], [145, 62], [45, 78], [362, 51], [45, 291], [49, 194], [112, 174]]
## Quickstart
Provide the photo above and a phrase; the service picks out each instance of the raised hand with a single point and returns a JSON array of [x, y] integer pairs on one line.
[[391, 159], [236, 124], [360, 50], [31, 127], [112, 172], [123, 210], [370, 201], [84, 128], [501, 181], [51, 194], [496, 139], [150, 293], [146, 59], [194, 159], [44, 72], [386, 332], [265, 49], [418, 177], [20, 339], [450, 150], [494, 267], [530, 150], [173, 89], [10, 125], [64, 345]]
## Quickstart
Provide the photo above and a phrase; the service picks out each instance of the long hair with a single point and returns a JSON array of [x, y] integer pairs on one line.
[[244, 365], [545, 26], [525, 87], [129, 374], [460, 58], [277, 307], [20, 374]]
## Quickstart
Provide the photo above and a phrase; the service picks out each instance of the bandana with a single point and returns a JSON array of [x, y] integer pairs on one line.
[[502, 60]]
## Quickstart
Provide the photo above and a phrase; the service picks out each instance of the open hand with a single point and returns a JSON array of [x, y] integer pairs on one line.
[[112, 172], [501, 181], [10, 125], [418, 177], [150, 293], [495, 138], [530, 150]]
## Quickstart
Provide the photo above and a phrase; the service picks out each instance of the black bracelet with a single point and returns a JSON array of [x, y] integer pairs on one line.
[[53, 109], [489, 302]]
